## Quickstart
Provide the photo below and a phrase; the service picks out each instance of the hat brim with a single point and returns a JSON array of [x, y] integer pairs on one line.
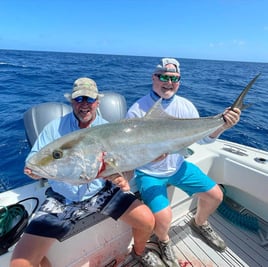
[[85, 92], [69, 98]]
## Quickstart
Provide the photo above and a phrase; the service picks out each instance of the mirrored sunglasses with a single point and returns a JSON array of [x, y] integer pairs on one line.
[[167, 78], [89, 100]]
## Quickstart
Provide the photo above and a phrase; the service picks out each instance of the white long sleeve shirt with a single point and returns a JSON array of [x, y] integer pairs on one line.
[[178, 107]]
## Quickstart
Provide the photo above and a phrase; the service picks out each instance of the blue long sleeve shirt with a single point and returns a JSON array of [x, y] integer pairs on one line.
[[54, 130]]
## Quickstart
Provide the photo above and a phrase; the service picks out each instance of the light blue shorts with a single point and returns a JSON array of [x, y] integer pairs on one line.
[[189, 178]]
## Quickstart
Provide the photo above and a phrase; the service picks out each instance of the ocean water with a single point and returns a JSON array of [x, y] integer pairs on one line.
[[28, 78]]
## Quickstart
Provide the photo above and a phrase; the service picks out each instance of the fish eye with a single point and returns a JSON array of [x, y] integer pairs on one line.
[[57, 154]]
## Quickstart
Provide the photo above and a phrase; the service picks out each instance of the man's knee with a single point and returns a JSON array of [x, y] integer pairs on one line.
[[218, 194], [213, 195]]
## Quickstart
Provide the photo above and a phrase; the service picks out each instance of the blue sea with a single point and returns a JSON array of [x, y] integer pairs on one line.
[[28, 78]]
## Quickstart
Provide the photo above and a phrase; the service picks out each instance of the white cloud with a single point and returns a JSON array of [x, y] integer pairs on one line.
[[219, 44], [238, 42]]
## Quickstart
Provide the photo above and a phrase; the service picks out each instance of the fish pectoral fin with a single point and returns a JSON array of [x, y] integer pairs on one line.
[[84, 177], [112, 163]]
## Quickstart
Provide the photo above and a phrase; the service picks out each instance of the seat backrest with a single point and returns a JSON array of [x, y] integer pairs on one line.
[[113, 107], [37, 117]]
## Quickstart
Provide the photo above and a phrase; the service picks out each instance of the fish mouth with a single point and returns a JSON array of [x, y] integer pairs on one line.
[[37, 170]]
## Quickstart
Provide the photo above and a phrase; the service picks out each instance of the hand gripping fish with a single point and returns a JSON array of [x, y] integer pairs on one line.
[[100, 151]]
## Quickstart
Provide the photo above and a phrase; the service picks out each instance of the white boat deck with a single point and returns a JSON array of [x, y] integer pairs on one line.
[[244, 247]]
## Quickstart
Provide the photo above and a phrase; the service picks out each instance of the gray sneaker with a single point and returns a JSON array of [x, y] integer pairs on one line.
[[148, 259], [167, 254], [209, 235]]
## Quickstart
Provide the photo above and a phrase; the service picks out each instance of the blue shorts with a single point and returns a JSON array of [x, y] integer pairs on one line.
[[55, 218], [189, 178]]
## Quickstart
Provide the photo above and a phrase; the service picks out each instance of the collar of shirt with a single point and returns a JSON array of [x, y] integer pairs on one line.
[[156, 97]]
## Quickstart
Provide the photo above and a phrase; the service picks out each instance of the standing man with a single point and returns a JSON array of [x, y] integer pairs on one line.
[[153, 178], [65, 201]]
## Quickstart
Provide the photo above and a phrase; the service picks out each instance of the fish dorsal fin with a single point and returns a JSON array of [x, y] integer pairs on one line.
[[157, 111]]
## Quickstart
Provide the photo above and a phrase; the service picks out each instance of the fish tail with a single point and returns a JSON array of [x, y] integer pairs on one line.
[[239, 102]]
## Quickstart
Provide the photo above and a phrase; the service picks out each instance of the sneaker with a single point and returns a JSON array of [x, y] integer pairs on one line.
[[148, 259], [209, 235], [167, 254]]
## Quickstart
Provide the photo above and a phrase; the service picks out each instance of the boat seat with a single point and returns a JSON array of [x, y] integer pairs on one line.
[[112, 107], [37, 117]]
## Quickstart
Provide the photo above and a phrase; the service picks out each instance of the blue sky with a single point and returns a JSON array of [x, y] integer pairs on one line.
[[200, 29]]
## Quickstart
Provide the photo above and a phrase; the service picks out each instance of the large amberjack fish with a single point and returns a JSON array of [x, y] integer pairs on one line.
[[121, 146]]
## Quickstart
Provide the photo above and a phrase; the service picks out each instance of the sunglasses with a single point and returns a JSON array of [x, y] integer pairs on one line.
[[167, 78], [89, 100]]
